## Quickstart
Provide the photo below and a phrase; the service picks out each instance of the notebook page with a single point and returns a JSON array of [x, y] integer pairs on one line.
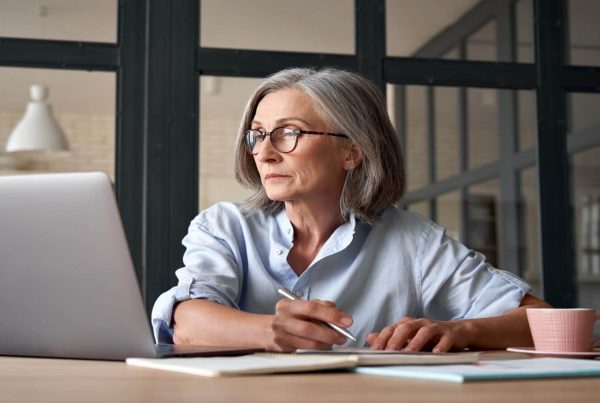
[[387, 357], [259, 363]]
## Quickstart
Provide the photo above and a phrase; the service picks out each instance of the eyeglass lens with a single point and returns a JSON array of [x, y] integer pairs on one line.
[[282, 139]]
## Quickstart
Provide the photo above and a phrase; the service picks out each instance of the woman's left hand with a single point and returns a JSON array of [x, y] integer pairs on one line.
[[415, 334]]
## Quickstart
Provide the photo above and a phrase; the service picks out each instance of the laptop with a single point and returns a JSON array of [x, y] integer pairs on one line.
[[67, 283]]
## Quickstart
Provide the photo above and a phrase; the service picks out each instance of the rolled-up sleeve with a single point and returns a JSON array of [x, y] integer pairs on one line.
[[212, 271], [458, 283]]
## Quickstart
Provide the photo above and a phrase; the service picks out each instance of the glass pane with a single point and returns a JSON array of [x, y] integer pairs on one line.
[[482, 220], [420, 207], [584, 35], [524, 28], [222, 101], [412, 25], [83, 104], [284, 25], [448, 213], [452, 54], [482, 126], [447, 112], [586, 166], [527, 119], [482, 45], [416, 152], [74, 20], [530, 235], [583, 111]]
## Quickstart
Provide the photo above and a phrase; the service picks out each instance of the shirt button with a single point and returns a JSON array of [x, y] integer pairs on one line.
[[299, 294], [289, 230], [278, 251]]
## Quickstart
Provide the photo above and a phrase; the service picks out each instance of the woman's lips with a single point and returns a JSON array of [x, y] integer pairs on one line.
[[275, 176]]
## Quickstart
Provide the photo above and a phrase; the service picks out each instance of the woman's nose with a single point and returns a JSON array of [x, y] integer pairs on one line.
[[264, 151]]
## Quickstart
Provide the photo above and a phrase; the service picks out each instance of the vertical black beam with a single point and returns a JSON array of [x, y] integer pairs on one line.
[[558, 269], [157, 150], [509, 238], [171, 186], [129, 151], [184, 128], [370, 40], [431, 150]]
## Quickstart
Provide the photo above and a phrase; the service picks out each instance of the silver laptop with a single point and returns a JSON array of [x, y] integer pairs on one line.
[[67, 283]]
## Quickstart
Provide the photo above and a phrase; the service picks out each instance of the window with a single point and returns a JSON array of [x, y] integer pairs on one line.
[[84, 106], [482, 45], [222, 101], [584, 36], [284, 25], [70, 20], [524, 30], [412, 28], [448, 209], [586, 203]]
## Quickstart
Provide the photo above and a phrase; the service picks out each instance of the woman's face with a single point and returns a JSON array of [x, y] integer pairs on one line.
[[316, 169]]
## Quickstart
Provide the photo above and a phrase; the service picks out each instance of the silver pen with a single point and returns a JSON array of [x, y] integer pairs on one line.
[[289, 295]]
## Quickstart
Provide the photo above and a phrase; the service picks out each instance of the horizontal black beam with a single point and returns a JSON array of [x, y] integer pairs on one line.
[[397, 70], [58, 54], [404, 70], [581, 79], [256, 63]]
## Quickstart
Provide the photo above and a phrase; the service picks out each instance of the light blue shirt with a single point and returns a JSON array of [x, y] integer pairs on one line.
[[404, 265]]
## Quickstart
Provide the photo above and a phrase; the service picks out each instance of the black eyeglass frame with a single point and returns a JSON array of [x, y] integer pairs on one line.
[[295, 132]]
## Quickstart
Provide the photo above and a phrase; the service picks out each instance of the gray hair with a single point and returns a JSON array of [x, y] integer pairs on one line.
[[347, 103]]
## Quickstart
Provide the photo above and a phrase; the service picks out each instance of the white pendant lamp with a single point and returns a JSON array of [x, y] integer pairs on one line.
[[38, 130]]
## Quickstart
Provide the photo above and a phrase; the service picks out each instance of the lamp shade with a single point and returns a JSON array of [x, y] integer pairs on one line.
[[38, 130]]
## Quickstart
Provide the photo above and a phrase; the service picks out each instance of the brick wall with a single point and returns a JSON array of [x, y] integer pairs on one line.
[[91, 139], [217, 182]]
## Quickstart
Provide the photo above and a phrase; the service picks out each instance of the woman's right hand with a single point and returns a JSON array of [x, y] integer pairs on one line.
[[298, 324]]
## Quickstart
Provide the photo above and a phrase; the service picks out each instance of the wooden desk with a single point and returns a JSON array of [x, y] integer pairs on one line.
[[55, 380]]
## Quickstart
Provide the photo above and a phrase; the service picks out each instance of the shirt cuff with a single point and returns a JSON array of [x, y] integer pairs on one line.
[[162, 312], [503, 292]]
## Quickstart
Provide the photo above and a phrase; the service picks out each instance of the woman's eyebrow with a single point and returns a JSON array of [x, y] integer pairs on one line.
[[282, 121]]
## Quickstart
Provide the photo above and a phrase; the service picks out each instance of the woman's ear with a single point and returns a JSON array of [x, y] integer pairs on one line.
[[353, 157]]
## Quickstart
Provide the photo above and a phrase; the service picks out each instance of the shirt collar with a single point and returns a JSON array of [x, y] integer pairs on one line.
[[340, 239]]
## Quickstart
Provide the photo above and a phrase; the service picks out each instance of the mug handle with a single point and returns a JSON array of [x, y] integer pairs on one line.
[[596, 342]]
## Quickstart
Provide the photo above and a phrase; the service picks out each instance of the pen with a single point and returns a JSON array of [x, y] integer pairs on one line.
[[289, 295]]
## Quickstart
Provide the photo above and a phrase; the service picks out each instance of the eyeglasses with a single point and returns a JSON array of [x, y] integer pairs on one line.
[[283, 139]]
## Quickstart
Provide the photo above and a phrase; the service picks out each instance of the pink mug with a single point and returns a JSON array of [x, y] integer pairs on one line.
[[562, 330]]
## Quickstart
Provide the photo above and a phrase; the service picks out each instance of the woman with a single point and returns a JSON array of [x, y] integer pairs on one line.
[[318, 149]]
